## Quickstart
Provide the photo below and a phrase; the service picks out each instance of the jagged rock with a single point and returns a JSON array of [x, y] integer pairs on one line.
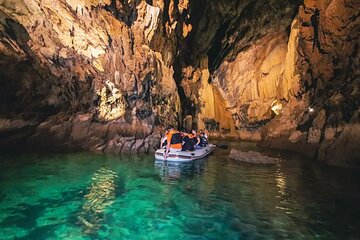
[[110, 147], [316, 130], [296, 136], [115, 145], [61, 131], [146, 144], [142, 149], [344, 151], [251, 157], [129, 142], [154, 141], [341, 146], [97, 145], [137, 145], [118, 146]]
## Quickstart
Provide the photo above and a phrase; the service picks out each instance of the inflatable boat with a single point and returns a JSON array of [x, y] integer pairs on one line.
[[185, 156]]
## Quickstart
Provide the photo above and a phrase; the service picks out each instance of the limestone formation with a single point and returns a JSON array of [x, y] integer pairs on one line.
[[108, 75]]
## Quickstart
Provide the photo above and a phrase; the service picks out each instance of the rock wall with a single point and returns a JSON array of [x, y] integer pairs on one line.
[[252, 82], [318, 119], [85, 56], [329, 55], [294, 84], [108, 75], [222, 33]]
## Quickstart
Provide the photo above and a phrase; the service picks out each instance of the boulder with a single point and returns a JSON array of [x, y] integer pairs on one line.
[[251, 157]]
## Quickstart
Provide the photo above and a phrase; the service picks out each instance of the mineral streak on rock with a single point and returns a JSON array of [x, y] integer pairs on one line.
[[108, 75]]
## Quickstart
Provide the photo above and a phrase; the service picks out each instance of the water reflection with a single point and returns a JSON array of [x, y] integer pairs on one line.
[[212, 199], [281, 183], [173, 171], [101, 195]]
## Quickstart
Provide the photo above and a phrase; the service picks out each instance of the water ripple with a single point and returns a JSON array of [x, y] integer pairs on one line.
[[85, 196]]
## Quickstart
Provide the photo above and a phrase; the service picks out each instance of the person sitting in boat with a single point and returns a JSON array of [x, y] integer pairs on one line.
[[187, 142], [203, 139], [163, 141], [195, 137], [204, 134], [174, 141]]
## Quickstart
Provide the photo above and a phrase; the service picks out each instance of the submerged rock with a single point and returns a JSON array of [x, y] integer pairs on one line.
[[251, 157], [222, 146]]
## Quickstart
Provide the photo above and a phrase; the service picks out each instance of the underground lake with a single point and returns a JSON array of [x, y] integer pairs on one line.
[[92, 91], [90, 196]]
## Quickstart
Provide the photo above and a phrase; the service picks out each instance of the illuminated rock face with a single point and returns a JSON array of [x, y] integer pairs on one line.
[[324, 100], [71, 49], [310, 70], [260, 82], [329, 55], [85, 56], [213, 59], [253, 80], [106, 75]]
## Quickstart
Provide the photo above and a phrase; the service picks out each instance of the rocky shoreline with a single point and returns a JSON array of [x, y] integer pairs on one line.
[[82, 131]]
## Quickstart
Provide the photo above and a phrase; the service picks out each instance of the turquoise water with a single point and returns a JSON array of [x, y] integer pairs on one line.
[[89, 196]]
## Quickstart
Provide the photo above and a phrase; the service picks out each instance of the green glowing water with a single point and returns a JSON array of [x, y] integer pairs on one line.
[[88, 196]]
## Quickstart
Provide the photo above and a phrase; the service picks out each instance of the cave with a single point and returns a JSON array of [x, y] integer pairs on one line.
[[107, 77], [220, 66], [91, 82]]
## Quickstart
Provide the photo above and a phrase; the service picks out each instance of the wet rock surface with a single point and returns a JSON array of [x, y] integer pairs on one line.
[[108, 75], [251, 157], [82, 132]]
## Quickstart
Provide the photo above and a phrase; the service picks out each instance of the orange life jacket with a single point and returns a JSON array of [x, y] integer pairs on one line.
[[175, 140]]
